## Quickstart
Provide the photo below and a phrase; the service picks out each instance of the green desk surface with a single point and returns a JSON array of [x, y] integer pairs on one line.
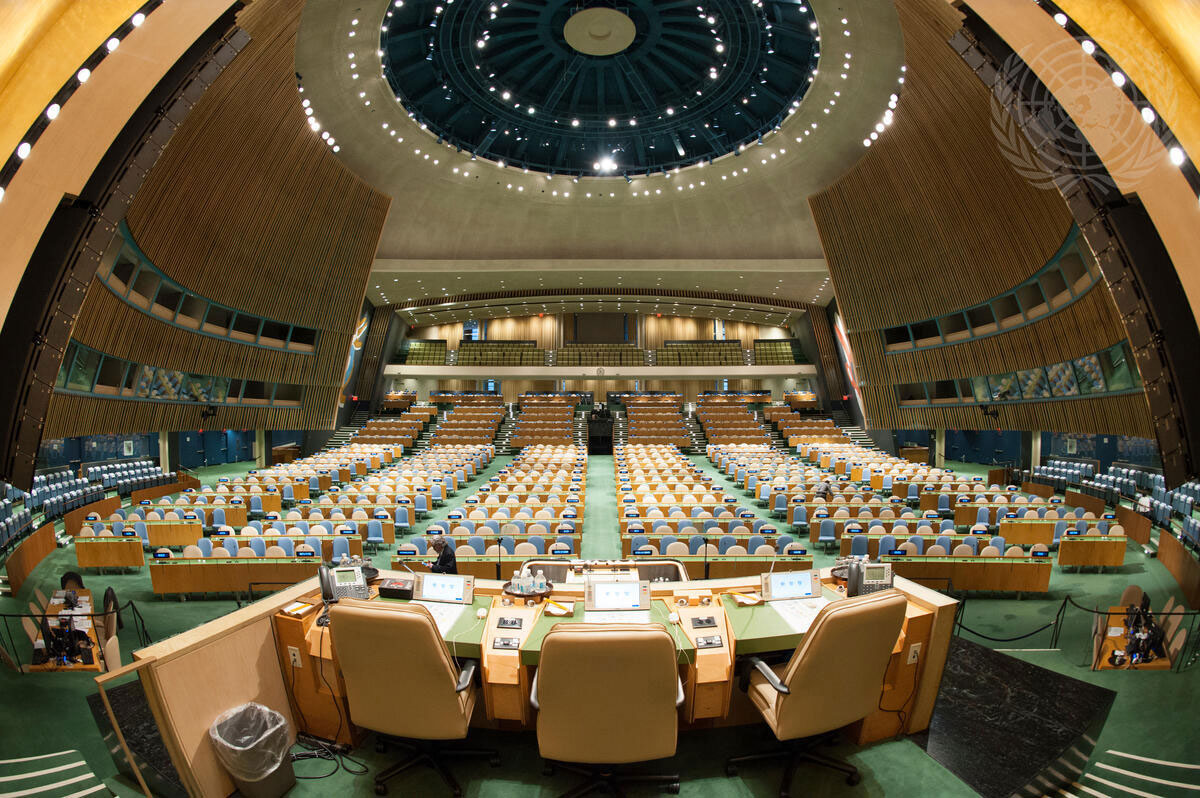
[[466, 635], [759, 629], [531, 649]]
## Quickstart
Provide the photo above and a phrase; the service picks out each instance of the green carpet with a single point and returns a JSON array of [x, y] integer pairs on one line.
[[208, 475], [1150, 715]]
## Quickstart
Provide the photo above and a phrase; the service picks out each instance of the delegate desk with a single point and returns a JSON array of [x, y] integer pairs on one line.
[[1019, 574], [707, 673], [271, 538], [1111, 635], [847, 541], [193, 677], [162, 533], [109, 552], [1092, 549], [81, 620], [226, 574]]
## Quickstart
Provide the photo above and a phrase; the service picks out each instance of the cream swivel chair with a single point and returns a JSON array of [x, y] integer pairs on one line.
[[592, 716], [848, 645], [438, 698]]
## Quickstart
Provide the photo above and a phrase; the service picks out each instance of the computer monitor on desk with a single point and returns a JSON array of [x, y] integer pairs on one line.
[[446, 588], [778, 585], [609, 595]]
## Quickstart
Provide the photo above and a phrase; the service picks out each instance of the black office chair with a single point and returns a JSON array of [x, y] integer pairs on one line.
[[71, 581]]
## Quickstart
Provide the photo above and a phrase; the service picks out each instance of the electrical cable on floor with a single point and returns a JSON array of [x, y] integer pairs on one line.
[[323, 750]]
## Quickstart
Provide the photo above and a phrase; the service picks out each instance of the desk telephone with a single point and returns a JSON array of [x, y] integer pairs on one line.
[[339, 583], [866, 577]]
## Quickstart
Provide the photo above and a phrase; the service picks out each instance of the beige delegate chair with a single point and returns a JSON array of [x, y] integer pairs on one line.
[[592, 715], [438, 698], [833, 679]]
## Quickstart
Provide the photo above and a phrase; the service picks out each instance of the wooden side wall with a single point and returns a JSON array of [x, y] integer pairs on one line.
[[26, 556], [246, 207], [935, 219], [382, 319]]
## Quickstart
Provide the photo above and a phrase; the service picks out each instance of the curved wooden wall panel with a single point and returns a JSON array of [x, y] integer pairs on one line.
[[1124, 414], [246, 207], [113, 327], [382, 319], [747, 332], [830, 365], [656, 330], [933, 218], [450, 332], [543, 329], [246, 188], [85, 415], [1085, 326]]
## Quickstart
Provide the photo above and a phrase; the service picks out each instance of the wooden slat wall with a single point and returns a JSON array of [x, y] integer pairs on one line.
[[1086, 326], [109, 325], [543, 329], [245, 183], [934, 219], [656, 330], [460, 385], [511, 389], [1126, 414], [451, 333], [747, 332], [246, 207], [84, 415], [829, 364], [382, 318]]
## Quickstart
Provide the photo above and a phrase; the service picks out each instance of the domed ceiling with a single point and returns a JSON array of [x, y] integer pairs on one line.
[[703, 128], [564, 87]]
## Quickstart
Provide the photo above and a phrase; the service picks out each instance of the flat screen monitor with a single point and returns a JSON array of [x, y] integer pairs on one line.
[[448, 588], [791, 585], [607, 595]]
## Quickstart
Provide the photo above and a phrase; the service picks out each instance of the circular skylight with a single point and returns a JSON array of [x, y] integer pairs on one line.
[[602, 88]]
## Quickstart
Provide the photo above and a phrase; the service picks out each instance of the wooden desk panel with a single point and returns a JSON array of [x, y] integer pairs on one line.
[[976, 573], [226, 575], [173, 533], [1027, 533], [106, 552], [1098, 550], [506, 680]]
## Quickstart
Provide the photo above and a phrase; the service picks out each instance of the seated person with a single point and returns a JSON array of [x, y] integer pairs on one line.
[[446, 562]]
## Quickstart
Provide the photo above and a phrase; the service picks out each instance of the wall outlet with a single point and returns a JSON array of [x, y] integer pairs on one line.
[[914, 653], [294, 655]]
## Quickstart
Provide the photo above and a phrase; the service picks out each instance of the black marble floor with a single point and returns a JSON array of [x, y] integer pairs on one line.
[[1008, 728], [141, 733]]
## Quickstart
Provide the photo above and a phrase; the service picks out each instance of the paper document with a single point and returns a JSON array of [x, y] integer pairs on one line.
[[1116, 631], [617, 616], [799, 613], [444, 615]]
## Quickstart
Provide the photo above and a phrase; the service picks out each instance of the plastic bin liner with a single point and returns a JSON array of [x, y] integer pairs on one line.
[[251, 741]]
